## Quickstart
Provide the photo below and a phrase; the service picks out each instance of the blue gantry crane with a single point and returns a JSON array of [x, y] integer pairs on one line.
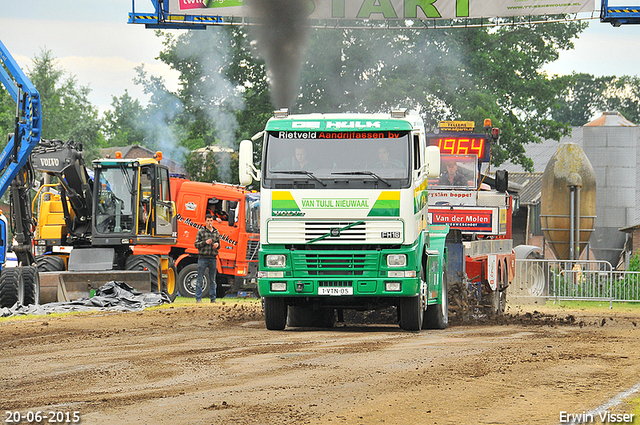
[[162, 18], [619, 15]]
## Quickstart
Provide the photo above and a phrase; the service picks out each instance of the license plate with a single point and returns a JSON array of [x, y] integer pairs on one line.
[[347, 290]]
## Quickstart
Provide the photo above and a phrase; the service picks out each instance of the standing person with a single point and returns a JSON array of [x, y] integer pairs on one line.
[[207, 242]]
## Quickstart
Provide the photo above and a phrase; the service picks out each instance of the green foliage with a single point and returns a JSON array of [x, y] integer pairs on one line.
[[122, 124], [582, 97], [223, 94], [464, 73], [634, 263], [67, 112], [222, 97]]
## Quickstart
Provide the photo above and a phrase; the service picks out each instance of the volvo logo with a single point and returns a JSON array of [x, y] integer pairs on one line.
[[49, 162]]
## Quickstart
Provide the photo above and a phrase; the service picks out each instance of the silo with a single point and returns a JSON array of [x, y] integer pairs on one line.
[[568, 201], [610, 143]]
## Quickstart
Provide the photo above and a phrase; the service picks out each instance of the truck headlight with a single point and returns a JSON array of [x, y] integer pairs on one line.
[[278, 286], [396, 260], [392, 286], [276, 260]]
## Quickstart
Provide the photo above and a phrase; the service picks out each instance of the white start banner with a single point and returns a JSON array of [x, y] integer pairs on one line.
[[394, 9]]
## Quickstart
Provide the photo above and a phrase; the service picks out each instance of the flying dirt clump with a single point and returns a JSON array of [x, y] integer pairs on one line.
[[281, 31]]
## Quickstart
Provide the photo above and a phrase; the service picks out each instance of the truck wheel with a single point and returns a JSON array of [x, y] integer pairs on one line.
[[499, 296], [187, 281], [146, 262], [50, 263], [169, 286], [11, 287], [437, 315], [31, 282], [411, 313], [275, 313]]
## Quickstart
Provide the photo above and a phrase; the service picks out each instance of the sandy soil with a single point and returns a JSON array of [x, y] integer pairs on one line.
[[217, 364]]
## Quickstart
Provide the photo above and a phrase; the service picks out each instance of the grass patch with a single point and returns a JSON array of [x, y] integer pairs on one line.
[[23, 317], [635, 403], [187, 300], [593, 306]]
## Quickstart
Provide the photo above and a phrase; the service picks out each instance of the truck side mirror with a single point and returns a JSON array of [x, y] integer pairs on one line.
[[502, 180], [232, 217], [246, 170], [432, 158]]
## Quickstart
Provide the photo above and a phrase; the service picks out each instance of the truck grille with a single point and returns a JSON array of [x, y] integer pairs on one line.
[[332, 264], [282, 231], [252, 250]]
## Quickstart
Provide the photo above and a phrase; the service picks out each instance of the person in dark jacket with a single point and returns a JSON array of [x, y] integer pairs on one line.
[[451, 177], [207, 242]]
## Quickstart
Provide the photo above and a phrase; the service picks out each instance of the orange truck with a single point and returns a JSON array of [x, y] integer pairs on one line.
[[239, 212]]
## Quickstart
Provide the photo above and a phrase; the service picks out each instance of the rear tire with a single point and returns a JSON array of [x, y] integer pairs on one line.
[[31, 282], [50, 263], [187, 281], [275, 313], [411, 313], [147, 262], [11, 287], [499, 296]]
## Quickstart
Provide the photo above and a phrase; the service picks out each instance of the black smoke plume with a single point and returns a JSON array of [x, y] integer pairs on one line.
[[281, 32]]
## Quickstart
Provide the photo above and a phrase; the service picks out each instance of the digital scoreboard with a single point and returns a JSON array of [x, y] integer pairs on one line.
[[462, 144]]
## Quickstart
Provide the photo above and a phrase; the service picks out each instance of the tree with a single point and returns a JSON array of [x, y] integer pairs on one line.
[[623, 94], [465, 73], [122, 124], [222, 97], [582, 98], [67, 112]]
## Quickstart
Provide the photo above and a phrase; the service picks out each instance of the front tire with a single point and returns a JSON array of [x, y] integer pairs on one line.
[[50, 263], [275, 313], [31, 282], [411, 313], [169, 286], [11, 287], [437, 315], [147, 262]]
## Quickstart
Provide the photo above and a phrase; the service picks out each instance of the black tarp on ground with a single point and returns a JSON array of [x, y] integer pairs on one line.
[[112, 296]]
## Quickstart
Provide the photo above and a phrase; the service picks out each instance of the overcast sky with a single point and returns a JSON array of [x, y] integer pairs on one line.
[[92, 40]]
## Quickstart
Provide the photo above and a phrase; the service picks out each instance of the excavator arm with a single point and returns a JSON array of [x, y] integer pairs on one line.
[[65, 160]]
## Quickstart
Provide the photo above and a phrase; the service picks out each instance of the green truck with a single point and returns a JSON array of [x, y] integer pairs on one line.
[[343, 219]]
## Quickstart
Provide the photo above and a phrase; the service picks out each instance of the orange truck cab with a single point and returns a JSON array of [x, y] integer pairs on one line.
[[239, 226]]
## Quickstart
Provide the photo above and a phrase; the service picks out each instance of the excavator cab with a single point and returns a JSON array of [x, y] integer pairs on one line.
[[132, 203]]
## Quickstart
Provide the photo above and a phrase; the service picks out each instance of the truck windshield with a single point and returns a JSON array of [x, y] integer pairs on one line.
[[114, 211], [252, 213], [457, 172], [350, 159]]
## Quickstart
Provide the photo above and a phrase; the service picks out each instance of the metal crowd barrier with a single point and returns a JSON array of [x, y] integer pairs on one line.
[[539, 280]]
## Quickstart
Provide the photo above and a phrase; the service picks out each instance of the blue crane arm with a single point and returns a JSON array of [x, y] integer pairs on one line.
[[28, 125]]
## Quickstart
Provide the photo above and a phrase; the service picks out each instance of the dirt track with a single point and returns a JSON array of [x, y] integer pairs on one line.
[[217, 364]]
